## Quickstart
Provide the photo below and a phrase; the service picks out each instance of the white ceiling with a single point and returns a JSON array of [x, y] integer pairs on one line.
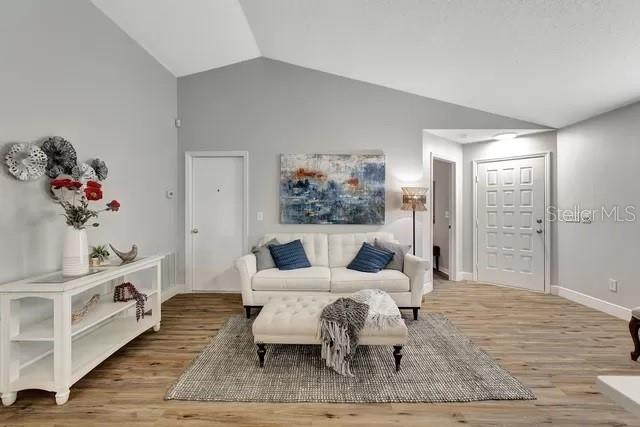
[[468, 136], [552, 62], [186, 36]]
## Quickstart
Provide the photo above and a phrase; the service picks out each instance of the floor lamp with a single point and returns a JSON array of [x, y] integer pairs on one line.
[[413, 199]]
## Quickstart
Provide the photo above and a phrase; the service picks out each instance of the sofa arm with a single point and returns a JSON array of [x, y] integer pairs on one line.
[[247, 267], [416, 268]]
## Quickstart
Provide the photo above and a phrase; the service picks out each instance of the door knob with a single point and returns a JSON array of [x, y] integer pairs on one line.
[[539, 231], [194, 231], [539, 220]]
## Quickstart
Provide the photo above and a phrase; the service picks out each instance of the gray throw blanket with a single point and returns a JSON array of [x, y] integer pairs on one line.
[[340, 326], [342, 321]]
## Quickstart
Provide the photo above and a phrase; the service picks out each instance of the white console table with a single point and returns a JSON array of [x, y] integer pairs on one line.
[[41, 348]]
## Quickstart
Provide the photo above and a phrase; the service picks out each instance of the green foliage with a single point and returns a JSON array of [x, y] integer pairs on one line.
[[100, 252]]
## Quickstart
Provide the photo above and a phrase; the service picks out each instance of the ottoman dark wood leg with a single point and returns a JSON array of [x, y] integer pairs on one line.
[[261, 352], [415, 313], [247, 310], [397, 354], [634, 327]]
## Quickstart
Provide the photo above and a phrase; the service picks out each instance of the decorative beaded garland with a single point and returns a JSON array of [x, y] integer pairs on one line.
[[127, 292], [89, 305]]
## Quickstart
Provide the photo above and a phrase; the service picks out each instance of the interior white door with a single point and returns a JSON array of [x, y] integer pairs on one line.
[[217, 216], [510, 214]]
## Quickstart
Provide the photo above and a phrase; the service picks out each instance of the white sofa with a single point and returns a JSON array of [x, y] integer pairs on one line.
[[329, 255]]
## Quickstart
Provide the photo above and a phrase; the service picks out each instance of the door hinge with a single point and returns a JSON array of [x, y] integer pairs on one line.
[[476, 178]]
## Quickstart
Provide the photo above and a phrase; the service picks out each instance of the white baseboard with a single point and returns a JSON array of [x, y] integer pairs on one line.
[[466, 275], [428, 288], [172, 292], [592, 302]]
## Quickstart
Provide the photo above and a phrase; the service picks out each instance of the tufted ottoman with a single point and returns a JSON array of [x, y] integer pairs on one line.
[[295, 320]]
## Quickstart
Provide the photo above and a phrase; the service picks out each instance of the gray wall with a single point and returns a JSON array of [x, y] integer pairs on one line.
[[530, 144], [269, 107], [68, 70], [598, 166], [441, 195]]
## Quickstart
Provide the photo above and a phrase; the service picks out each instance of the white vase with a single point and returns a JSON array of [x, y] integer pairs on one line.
[[75, 252]]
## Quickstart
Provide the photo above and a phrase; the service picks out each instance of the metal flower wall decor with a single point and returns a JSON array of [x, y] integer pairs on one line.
[[101, 169], [56, 158], [83, 172], [26, 162], [62, 156]]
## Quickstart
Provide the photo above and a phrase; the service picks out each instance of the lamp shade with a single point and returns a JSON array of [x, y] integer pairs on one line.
[[414, 198]]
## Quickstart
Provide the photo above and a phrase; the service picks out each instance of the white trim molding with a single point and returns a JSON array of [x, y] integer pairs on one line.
[[547, 202], [188, 218], [467, 275], [592, 302], [172, 292]]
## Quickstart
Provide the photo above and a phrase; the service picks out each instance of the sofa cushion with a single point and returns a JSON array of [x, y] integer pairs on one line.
[[343, 247], [315, 245], [264, 260], [289, 256], [302, 279], [399, 251], [344, 280], [370, 259]]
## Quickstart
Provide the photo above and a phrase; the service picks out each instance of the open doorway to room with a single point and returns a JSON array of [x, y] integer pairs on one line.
[[442, 196], [441, 201]]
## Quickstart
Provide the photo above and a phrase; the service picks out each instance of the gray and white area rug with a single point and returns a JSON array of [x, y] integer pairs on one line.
[[440, 364]]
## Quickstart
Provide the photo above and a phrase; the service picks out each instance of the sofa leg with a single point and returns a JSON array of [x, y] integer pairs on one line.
[[397, 355], [415, 313], [634, 327], [261, 352], [247, 310]]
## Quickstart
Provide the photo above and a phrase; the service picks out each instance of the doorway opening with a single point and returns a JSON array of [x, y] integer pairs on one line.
[[442, 208]]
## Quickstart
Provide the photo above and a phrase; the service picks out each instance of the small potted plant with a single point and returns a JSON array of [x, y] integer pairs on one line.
[[99, 254]]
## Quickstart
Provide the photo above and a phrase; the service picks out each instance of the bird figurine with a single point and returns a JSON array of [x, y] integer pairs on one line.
[[126, 257]]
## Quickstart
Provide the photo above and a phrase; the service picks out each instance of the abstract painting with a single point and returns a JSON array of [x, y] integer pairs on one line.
[[332, 188]]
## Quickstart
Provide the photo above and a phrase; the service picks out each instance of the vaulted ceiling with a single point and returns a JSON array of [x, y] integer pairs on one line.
[[552, 62]]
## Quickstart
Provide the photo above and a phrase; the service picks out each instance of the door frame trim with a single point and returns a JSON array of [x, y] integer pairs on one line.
[[188, 214], [547, 202]]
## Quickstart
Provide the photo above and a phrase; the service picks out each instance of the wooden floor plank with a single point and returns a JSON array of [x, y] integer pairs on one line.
[[553, 346]]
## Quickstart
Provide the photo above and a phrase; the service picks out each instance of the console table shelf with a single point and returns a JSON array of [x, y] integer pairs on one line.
[[41, 348], [106, 308]]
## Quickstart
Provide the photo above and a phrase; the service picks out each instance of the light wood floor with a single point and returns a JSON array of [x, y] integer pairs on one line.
[[554, 346]]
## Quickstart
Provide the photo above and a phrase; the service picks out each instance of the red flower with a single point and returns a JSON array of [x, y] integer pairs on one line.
[[65, 183], [94, 184], [59, 183], [113, 205], [74, 185], [92, 193]]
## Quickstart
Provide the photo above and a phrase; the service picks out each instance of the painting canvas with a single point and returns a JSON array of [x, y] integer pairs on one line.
[[332, 188]]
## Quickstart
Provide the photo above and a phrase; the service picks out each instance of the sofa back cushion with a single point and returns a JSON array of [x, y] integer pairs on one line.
[[343, 247], [290, 256], [315, 245]]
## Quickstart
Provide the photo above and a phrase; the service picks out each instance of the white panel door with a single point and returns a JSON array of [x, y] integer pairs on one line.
[[217, 222], [510, 213]]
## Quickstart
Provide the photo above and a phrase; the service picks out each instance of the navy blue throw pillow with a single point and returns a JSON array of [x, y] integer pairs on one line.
[[289, 256], [371, 259]]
